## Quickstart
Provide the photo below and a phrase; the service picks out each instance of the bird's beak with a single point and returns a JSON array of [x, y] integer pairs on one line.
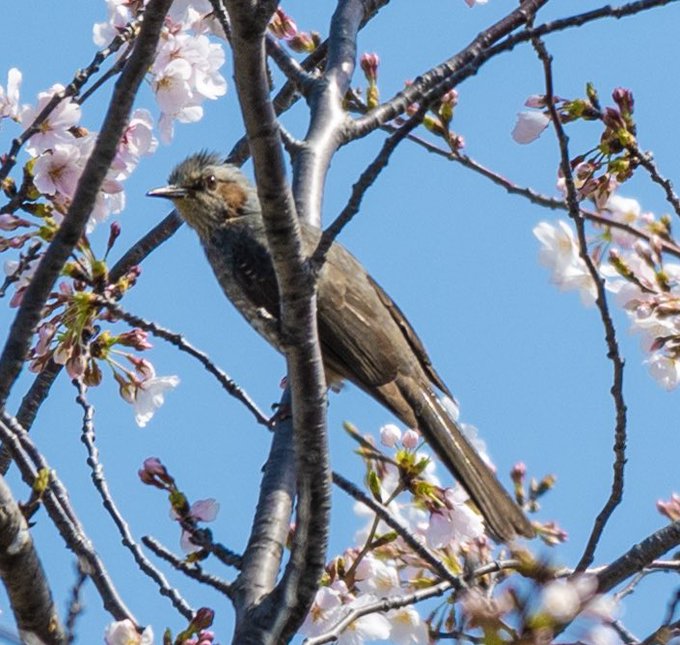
[[168, 192]]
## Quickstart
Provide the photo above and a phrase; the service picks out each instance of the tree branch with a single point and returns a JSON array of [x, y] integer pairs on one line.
[[99, 480], [285, 608], [23, 576], [639, 556]]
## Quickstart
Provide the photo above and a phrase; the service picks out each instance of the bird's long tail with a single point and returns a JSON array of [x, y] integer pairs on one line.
[[503, 516]]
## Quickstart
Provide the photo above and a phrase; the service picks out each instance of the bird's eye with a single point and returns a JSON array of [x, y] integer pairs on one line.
[[211, 182]]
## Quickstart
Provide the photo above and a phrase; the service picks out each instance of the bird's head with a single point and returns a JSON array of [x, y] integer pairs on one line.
[[208, 193]]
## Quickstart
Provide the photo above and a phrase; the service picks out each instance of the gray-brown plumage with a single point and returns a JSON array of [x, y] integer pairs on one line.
[[364, 336]]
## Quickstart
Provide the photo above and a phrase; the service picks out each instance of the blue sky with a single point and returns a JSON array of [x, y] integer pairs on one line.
[[527, 363]]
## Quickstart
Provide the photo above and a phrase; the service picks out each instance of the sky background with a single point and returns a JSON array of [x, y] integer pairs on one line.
[[527, 363]]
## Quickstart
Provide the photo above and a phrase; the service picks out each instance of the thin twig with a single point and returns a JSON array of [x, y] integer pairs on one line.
[[422, 551], [178, 341], [99, 480], [191, 570], [58, 506], [75, 608], [613, 352], [646, 160]]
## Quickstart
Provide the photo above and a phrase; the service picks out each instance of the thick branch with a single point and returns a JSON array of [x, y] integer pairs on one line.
[[23, 576], [328, 117], [56, 501], [279, 614], [639, 556]]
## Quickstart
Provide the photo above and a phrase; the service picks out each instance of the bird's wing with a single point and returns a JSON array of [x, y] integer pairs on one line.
[[411, 337], [361, 306]]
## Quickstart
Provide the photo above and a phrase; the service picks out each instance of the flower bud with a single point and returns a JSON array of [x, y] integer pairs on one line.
[[135, 338], [410, 439], [10, 222], [282, 25], [369, 65], [624, 99]]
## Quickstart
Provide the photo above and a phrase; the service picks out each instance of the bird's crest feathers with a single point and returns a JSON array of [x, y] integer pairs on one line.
[[193, 165]]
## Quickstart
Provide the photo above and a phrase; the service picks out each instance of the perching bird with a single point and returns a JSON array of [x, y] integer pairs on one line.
[[364, 336]]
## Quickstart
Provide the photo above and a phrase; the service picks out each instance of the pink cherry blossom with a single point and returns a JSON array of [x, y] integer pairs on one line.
[[454, 524], [410, 440], [529, 126], [55, 128], [58, 170]]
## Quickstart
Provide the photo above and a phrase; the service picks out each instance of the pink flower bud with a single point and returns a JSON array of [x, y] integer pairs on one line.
[[10, 222], [282, 25], [389, 435], [624, 99], [136, 338], [518, 472], [410, 439], [204, 618], [303, 42], [369, 64]]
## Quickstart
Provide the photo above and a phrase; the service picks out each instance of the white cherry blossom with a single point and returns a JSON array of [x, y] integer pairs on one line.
[[9, 97], [124, 632], [149, 395]]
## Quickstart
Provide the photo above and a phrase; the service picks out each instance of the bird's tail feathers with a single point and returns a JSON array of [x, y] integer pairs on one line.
[[503, 516]]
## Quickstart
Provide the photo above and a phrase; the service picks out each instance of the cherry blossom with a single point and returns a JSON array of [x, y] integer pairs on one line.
[[377, 577], [56, 127], [185, 73], [202, 510], [9, 98], [411, 439], [389, 435], [560, 253], [407, 627], [671, 508], [137, 141], [149, 395], [121, 12], [454, 524], [627, 211], [58, 170], [124, 632], [665, 370], [529, 126]]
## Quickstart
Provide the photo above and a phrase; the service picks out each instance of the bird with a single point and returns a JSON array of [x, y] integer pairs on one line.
[[364, 336]]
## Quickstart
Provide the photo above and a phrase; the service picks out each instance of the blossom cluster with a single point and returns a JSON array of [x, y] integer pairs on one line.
[[185, 72], [377, 580], [627, 247], [630, 262]]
